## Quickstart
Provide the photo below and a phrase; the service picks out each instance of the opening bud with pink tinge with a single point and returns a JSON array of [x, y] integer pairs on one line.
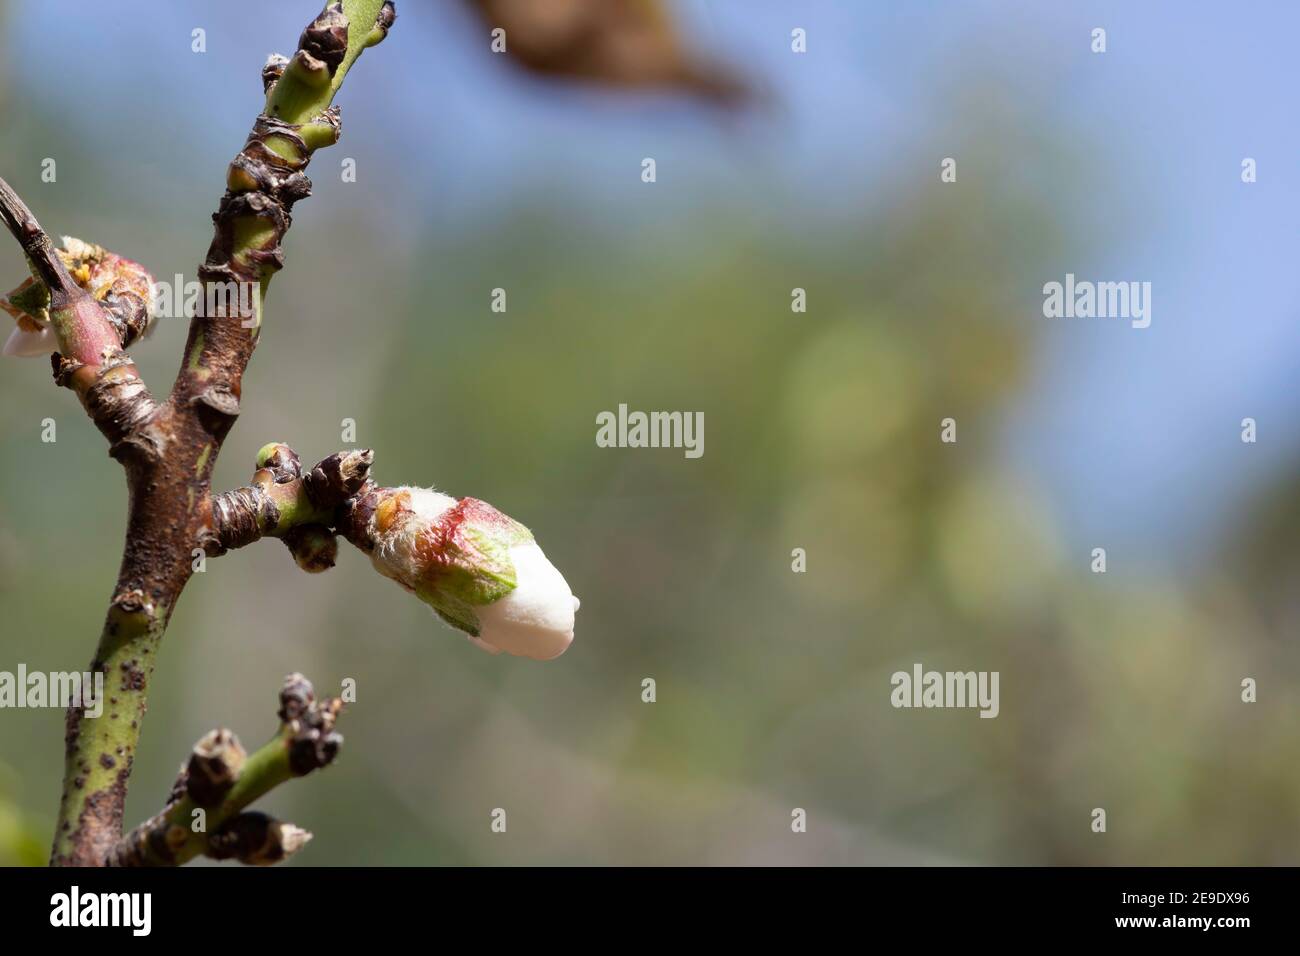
[[480, 570]]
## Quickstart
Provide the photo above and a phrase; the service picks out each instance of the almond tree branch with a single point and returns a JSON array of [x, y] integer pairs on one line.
[[282, 497], [206, 813], [169, 450], [301, 509]]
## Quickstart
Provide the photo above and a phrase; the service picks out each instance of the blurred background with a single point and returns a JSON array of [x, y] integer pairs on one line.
[[1119, 690]]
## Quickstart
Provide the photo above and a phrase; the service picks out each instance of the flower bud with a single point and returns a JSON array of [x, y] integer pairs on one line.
[[480, 570], [123, 287]]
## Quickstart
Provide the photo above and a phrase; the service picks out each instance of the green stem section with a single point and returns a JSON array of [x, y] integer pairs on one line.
[[304, 98], [300, 99], [205, 814], [265, 769], [102, 749]]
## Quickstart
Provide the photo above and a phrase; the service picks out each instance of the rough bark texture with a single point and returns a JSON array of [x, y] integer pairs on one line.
[[282, 502]]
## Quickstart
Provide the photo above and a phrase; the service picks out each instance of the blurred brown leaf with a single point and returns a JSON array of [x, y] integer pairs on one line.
[[627, 43]]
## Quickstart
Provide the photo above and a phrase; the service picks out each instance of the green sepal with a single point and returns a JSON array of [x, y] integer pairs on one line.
[[477, 569], [452, 610], [477, 581], [33, 299]]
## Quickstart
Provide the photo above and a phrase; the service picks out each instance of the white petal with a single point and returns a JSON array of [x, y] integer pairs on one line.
[[536, 618], [24, 344], [482, 644]]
